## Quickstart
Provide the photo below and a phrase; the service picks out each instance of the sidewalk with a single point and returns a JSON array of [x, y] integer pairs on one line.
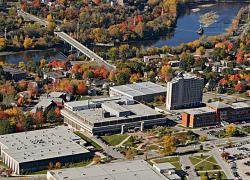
[[184, 160]]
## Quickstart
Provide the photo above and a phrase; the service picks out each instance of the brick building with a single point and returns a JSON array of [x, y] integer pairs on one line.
[[215, 113], [199, 117]]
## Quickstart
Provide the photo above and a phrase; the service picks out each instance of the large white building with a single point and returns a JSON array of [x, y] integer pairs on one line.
[[132, 170], [110, 115], [34, 150], [184, 91], [142, 92]]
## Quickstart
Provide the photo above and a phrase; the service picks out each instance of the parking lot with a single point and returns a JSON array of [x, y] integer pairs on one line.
[[240, 164]]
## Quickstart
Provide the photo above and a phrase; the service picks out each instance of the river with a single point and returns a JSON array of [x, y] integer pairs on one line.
[[188, 23], [185, 31]]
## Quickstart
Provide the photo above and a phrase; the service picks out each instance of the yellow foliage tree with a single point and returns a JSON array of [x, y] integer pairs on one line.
[[49, 18], [21, 65], [28, 43], [230, 129], [2, 44], [169, 145], [97, 159], [220, 45], [203, 138]]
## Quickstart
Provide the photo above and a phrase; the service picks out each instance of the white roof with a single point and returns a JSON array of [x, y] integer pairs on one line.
[[139, 89], [42, 144], [127, 170]]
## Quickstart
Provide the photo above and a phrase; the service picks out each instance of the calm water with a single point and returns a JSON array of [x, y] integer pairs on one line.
[[188, 23], [34, 56]]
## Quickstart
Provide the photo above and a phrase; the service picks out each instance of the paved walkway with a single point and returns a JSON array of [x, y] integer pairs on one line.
[[108, 149], [184, 160], [223, 164], [202, 160], [121, 143]]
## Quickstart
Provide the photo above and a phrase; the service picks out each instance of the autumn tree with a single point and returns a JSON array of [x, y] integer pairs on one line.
[[225, 155], [230, 129], [135, 78], [203, 138], [169, 145], [58, 165], [28, 43], [82, 89], [97, 159], [50, 166], [166, 72], [3, 44], [239, 87], [129, 154]]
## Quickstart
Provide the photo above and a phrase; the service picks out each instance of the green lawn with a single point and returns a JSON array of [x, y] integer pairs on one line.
[[211, 159], [213, 175], [177, 165], [194, 160], [90, 141], [152, 147], [204, 163], [115, 139], [246, 129], [175, 161], [39, 172], [207, 166], [167, 159]]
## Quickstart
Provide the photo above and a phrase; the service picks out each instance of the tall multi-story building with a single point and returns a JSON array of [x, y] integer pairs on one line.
[[184, 91]]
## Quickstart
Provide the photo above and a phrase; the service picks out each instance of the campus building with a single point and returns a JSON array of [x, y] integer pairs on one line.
[[34, 150], [215, 113], [184, 91], [142, 92], [132, 170], [199, 117], [110, 115]]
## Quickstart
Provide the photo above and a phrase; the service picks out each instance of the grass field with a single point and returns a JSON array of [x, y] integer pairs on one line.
[[175, 161], [204, 163], [114, 140], [214, 175]]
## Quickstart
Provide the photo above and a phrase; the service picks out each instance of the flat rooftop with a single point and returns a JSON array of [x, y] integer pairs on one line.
[[218, 105], [95, 115], [185, 76], [240, 105], [12, 70], [139, 89], [197, 111], [75, 104], [42, 144], [127, 170]]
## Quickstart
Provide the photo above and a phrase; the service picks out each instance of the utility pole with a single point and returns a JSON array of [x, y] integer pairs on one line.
[[5, 33], [77, 29]]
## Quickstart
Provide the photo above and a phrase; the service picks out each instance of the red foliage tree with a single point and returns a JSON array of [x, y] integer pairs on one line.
[[75, 68], [58, 111], [239, 87], [82, 89], [3, 115]]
